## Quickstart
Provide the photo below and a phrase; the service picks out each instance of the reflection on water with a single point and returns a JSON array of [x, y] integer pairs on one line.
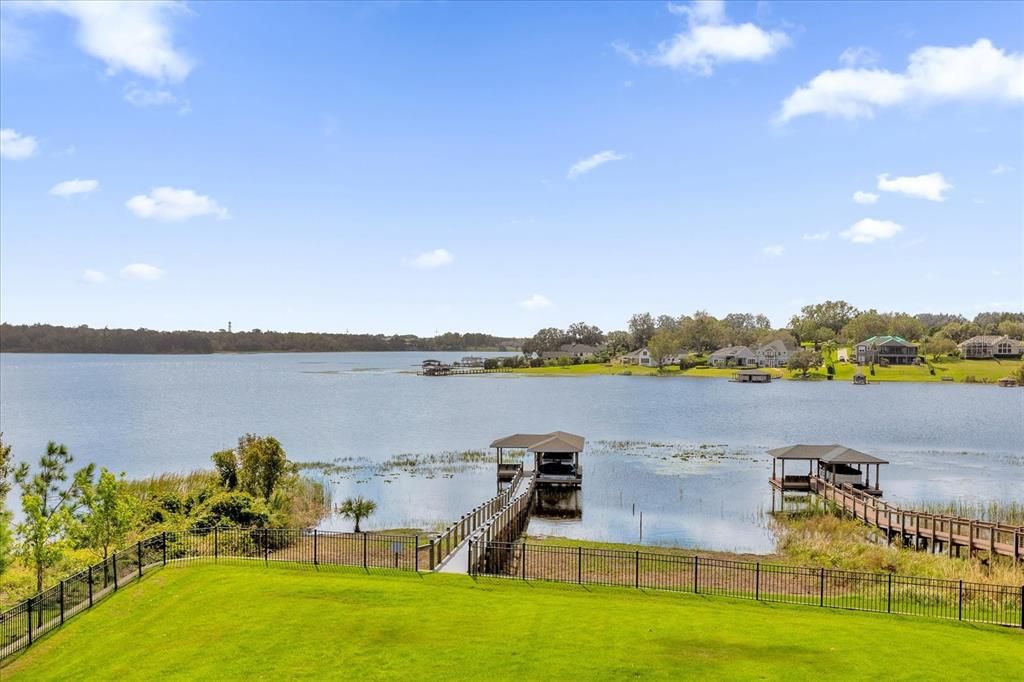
[[558, 503]]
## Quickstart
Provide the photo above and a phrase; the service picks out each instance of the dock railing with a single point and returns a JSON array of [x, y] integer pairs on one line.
[[952, 531], [445, 542]]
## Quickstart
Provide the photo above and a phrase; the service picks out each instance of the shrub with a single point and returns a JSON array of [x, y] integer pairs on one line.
[[491, 363], [232, 509]]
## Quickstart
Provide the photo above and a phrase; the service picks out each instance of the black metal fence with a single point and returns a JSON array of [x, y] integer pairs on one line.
[[26, 621], [822, 587]]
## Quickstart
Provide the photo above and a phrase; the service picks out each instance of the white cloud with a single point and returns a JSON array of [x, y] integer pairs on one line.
[[859, 56], [971, 72], [708, 40], [172, 205], [865, 197], [141, 271], [815, 236], [774, 251], [127, 36], [536, 302], [71, 187], [870, 230], [142, 97], [588, 164], [930, 186], [1001, 168], [433, 259], [15, 146], [94, 276]]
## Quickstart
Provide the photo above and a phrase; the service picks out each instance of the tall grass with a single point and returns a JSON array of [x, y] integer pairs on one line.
[[1010, 513], [822, 538]]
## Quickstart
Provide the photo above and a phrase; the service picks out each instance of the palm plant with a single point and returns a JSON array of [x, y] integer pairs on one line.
[[357, 509]]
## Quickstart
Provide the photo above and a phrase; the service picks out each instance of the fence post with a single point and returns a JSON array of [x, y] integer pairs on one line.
[[469, 568], [113, 560], [523, 562], [757, 581], [696, 570], [266, 546], [416, 552], [29, 621], [960, 603], [821, 589], [216, 544], [61, 593], [364, 549], [1022, 606], [165, 547], [90, 587], [138, 553], [579, 564], [637, 572], [316, 561]]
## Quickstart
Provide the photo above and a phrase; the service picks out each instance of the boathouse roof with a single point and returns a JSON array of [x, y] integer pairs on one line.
[[830, 454], [556, 441]]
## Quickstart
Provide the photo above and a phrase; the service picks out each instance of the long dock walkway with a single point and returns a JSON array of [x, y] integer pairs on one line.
[[496, 527], [942, 532]]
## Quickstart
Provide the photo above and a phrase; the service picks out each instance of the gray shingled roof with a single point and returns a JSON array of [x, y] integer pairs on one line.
[[556, 441], [831, 454]]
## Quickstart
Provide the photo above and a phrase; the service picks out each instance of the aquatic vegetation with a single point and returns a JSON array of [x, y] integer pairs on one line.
[[1011, 513]]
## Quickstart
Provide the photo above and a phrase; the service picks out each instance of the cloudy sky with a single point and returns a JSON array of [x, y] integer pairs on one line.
[[421, 167]]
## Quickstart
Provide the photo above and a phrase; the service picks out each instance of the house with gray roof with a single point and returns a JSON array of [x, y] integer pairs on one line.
[[989, 347], [733, 356], [773, 354], [894, 350]]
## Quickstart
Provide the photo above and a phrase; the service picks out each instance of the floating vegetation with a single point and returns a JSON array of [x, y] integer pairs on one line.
[[445, 464]]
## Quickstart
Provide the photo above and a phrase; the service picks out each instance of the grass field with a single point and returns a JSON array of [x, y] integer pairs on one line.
[[957, 369], [235, 622]]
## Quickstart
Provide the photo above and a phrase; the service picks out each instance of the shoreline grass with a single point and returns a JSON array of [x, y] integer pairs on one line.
[[983, 371], [300, 623]]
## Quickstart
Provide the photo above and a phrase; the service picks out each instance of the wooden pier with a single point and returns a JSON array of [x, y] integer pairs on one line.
[[921, 530]]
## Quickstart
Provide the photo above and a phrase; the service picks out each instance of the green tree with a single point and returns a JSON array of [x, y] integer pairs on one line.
[[642, 328], [832, 314], [620, 342], [110, 513], [910, 328], [1012, 328], [581, 332], [6, 535], [665, 342], [226, 463], [803, 361], [48, 504], [702, 332], [357, 509], [938, 345], [865, 325]]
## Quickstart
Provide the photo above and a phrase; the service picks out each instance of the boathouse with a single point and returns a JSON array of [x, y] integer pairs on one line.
[[835, 464], [752, 376], [556, 457]]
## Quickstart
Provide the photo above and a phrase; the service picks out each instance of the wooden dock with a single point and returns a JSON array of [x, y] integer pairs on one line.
[[924, 531], [462, 371]]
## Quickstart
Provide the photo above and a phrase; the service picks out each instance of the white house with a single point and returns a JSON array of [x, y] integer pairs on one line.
[[641, 356], [773, 354]]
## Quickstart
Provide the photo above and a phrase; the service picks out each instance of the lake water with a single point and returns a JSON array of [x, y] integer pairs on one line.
[[687, 452]]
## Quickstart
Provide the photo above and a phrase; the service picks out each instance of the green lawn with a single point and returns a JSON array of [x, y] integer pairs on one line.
[[959, 370], [235, 622]]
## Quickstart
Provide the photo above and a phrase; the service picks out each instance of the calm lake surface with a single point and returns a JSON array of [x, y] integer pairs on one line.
[[688, 453]]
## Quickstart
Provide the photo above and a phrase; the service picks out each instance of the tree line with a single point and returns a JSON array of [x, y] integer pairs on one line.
[[45, 338], [817, 324]]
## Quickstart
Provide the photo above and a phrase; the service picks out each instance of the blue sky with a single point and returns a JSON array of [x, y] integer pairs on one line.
[[413, 167]]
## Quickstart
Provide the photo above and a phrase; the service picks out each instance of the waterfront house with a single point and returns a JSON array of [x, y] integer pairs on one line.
[[733, 356], [471, 361], [990, 347], [773, 354], [578, 350], [895, 350], [641, 356]]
